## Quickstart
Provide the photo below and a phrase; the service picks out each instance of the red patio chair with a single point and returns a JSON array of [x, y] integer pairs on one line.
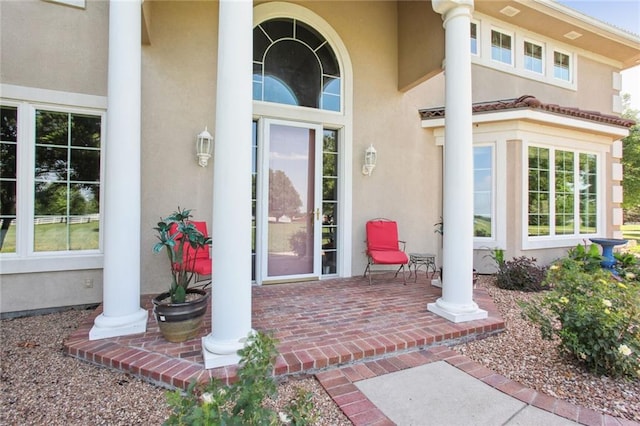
[[383, 246], [197, 261]]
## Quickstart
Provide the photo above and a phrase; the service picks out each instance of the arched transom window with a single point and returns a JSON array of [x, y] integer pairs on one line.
[[293, 64]]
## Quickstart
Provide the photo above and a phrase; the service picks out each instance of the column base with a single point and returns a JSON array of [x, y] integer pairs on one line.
[[220, 353], [105, 327], [457, 313]]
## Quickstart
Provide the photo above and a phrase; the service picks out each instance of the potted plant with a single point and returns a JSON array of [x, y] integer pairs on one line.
[[179, 311]]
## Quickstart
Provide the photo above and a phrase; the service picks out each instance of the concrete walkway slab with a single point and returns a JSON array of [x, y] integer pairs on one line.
[[440, 394]]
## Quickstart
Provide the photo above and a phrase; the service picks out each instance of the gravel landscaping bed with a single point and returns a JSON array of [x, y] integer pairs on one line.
[[39, 385], [520, 354]]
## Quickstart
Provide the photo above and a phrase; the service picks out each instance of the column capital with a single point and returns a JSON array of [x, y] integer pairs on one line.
[[443, 7]]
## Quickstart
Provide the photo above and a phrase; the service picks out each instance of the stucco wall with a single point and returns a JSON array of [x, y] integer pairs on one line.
[[178, 98], [490, 84], [36, 291], [178, 95], [57, 47]]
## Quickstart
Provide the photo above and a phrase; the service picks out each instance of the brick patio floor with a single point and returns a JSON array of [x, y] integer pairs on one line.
[[342, 331], [319, 325]]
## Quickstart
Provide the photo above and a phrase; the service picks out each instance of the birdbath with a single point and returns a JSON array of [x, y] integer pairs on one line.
[[607, 250]]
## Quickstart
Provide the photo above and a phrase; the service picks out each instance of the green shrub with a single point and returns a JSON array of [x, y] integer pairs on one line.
[[595, 314], [243, 402], [588, 255], [520, 273]]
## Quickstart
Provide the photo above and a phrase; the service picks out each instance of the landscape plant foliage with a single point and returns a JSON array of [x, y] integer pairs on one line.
[[520, 273], [594, 313], [242, 402]]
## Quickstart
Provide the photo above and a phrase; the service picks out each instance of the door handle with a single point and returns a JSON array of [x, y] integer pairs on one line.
[[317, 214]]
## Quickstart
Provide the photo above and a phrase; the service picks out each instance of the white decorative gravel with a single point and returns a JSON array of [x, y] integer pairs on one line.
[[41, 386]]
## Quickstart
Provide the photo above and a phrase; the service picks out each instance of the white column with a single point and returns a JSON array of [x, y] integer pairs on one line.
[[231, 230], [122, 313], [456, 303]]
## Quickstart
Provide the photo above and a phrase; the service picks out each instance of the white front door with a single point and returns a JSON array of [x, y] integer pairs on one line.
[[289, 216]]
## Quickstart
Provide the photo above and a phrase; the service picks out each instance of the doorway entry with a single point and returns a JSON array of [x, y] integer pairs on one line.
[[295, 199]]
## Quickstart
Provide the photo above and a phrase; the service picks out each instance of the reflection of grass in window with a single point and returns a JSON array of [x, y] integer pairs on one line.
[[481, 226], [9, 244], [280, 234], [53, 237]]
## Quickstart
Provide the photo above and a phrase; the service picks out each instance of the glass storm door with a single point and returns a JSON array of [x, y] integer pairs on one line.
[[291, 201]]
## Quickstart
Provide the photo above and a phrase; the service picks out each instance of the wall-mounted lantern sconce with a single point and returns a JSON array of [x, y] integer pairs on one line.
[[370, 158], [204, 147]]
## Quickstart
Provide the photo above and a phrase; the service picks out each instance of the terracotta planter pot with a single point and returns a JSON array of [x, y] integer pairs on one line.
[[180, 321]]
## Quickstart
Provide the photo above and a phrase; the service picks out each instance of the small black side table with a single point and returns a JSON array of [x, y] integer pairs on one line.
[[428, 260]]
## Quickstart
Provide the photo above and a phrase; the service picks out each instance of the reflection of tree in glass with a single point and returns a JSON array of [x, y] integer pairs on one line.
[[284, 199], [67, 165], [8, 137]]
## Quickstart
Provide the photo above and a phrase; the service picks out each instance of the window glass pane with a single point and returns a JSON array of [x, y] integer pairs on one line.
[[308, 36], [85, 131], [287, 61], [51, 163], [474, 38], [564, 190], [329, 201], [52, 128], [328, 60], [533, 57], [501, 47], [254, 195], [483, 191], [561, 66], [538, 220], [588, 194], [67, 182], [292, 65], [330, 102], [8, 181]]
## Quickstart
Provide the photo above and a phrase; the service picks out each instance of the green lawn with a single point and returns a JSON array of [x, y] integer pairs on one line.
[[632, 232]]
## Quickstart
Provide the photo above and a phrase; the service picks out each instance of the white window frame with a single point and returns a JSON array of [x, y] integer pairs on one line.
[[552, 64], [493, 191], [488, 24], [499, 188], [478, 38], [512, 47], [27, 101], [524, 56], [564, 240], [341, 121]]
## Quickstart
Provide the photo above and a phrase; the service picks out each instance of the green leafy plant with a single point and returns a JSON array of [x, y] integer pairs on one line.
[[595, 315], [242, 402], [176, 234], [589, 255]]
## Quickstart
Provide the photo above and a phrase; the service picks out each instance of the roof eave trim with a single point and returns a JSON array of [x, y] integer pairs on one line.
[[538, 116]]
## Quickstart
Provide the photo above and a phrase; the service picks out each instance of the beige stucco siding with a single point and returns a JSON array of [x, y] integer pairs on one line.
[[35, 291], [490, 84], [51, 46], [178, 98]]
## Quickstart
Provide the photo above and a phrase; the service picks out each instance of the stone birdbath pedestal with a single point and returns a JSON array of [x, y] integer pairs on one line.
[[607, 250]]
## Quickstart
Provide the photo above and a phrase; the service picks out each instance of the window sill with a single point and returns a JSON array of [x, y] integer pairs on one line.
[[13, 265], [555, 242]]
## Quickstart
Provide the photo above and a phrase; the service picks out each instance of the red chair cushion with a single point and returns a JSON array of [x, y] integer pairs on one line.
[[202, 253], [196, 261], [386, 257], [382, 235]]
